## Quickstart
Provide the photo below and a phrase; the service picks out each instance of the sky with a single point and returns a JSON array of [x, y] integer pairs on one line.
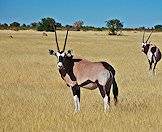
[[133, 13]]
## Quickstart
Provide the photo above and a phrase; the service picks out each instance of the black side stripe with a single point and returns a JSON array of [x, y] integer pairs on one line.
[[85, 83]]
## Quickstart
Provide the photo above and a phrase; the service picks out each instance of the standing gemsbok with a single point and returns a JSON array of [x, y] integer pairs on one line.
[[79, 73], [152, 51]]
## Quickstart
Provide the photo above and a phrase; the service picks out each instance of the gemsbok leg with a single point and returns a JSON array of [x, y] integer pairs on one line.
[[76, 94], [106, 98], [154, 68], [150, 63], [107, 89]]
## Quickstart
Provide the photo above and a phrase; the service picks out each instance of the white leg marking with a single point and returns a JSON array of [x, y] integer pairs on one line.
[[77, 103], [105, 99]]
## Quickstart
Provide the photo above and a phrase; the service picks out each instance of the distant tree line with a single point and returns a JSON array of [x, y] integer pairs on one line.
[[46, 24]]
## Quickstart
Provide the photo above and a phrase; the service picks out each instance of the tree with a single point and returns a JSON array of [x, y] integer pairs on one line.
[[4, 26], [58, 24], [28, 26], [78, 25], [114, 26], [46, 24], [158, 27], [68, 26], [33, 25], [15, 24], [23, 25]]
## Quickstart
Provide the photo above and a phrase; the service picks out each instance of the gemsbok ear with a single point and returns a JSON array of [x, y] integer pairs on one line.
[[69, 53], [51, 52]]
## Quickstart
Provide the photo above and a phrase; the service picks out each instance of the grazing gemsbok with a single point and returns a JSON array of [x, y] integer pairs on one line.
[[11, 36], [44, 34], [78, 73], [152, 51]]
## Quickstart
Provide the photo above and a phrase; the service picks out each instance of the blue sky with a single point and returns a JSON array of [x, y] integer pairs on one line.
[[133, 13]]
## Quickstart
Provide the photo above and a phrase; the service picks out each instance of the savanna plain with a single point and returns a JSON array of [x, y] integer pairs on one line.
[[34, 98]]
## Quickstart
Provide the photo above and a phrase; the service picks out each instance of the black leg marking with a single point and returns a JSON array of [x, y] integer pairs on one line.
[[154, 67], [76, 91], [76, 94], [107, 89], [150, 63], [102, 91], [108, 94]]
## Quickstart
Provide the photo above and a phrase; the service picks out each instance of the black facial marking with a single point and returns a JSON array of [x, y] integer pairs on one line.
[[146, 48], [61, 59], [68, 65], [61, 52]]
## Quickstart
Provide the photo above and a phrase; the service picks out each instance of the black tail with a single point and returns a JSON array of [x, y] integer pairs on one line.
[[115, 91]]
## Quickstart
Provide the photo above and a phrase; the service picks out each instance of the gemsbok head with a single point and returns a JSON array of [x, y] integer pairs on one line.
[[81, 73], [152, 51]]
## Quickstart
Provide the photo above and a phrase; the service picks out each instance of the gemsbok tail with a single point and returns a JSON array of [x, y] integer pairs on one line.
[[115, 91]]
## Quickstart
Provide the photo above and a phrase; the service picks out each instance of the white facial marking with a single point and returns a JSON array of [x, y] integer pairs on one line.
[[143, 44], [59, 64], [77, 103], [63, 54], [58, 54]]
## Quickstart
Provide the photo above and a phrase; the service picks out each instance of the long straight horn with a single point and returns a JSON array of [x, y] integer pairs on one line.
[[149, 36], [65, 40], [143, 37], [54, 27]]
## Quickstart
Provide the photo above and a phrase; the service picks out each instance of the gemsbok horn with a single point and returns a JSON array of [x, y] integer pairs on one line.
[[81, 73], [152, 51]]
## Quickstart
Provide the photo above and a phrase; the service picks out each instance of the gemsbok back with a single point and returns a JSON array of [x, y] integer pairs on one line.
[[77, 73], [152, 51]]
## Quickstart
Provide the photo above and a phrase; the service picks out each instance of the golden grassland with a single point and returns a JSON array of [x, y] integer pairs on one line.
[[33, 97]]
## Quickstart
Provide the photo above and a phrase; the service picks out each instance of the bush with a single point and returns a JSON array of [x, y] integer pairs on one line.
[[114, 26]]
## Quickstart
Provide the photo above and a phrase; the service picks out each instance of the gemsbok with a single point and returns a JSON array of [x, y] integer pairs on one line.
[[77, 73], [152, 51], [10, 36], [44, 34]]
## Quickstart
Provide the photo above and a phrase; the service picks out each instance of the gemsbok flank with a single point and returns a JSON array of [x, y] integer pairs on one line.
[[79, 73], [152, 51]]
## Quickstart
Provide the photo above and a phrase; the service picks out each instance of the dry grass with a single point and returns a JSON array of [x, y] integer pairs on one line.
[[34, 98]]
